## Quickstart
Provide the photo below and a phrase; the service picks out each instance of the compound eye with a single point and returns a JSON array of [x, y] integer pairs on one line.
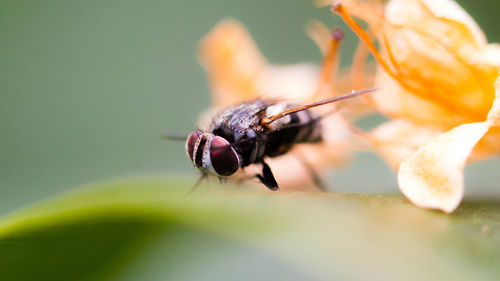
[[190, 142], [223, 157]]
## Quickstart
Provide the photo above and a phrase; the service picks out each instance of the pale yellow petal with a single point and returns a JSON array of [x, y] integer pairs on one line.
[[433, 176], [397, 140], [293, 83], [490, 55], [449, 9], [446, 16], [494, 114]]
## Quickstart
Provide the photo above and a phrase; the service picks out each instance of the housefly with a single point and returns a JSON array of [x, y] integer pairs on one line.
[[249, 132], [252, 131]]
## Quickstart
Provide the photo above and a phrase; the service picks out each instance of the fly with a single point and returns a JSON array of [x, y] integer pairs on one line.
[[250, 132]]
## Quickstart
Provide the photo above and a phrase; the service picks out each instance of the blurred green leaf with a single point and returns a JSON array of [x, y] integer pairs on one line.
[[95, 232]]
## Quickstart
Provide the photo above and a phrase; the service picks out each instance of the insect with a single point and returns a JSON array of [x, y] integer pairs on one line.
[[249, 132], [252, 131]]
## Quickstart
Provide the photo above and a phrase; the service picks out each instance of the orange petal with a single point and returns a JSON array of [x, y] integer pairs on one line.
[[237, 71], [232, 61], [396, 102], [433, 46], [433, 176], [488, 147], [438, 55]]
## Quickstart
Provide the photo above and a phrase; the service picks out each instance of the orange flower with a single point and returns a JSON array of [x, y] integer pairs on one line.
[[437, 74], [237, 72]]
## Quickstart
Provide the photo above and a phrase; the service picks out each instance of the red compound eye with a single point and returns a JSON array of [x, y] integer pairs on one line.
[[190, 142], [223, 157]]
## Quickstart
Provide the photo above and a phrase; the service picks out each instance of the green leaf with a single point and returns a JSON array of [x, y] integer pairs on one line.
[[103, 231]]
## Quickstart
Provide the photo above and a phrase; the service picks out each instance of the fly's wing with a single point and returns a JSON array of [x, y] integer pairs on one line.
[[239, 118]]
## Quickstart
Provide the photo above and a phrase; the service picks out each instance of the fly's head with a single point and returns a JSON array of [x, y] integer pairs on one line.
[[212, 154]]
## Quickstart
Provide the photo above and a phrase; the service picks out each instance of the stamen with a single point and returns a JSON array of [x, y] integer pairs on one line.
[[337, 34], [363, 36], [391, 71], [358, 66], [330, 61]]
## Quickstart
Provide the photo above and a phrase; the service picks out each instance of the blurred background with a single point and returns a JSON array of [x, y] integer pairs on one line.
[[86, 87]]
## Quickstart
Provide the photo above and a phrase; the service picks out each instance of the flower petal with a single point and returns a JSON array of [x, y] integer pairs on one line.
[[395, 101], [433, 46], [449, 9], [398, 139], [445, 17], [232, 61], [436, 56], [494, 114], [433, 176], [237, 71], [320, 34], [294, 83]]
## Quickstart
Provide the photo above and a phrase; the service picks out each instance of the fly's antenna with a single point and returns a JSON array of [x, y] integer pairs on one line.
[[269, 120], [168, 135]]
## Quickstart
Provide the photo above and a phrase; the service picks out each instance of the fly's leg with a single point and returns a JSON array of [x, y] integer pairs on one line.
[[320, 184], [267, 177], [316, 179], [195, 186]]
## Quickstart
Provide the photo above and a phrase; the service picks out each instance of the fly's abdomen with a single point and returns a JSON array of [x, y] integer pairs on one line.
[[299, 127]]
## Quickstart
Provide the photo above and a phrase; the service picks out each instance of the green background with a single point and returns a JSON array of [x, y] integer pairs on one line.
[[85, 87]]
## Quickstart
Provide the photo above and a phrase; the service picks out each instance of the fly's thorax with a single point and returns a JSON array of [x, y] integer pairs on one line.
[[212, 154], [235, 122]]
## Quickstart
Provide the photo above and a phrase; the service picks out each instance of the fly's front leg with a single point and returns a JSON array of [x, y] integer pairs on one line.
[[267, 177]]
